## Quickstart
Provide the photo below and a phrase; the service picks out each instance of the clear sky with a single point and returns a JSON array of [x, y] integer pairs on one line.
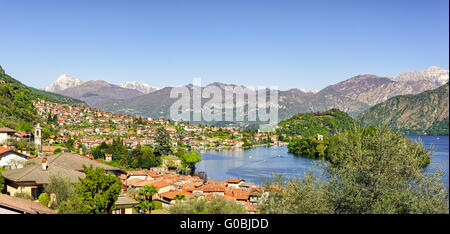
[[303, 44]]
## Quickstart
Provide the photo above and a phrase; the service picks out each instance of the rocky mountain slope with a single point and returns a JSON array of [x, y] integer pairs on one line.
[[141, 87], [424, 113], [99, 91], [351, 96], [63, 82]]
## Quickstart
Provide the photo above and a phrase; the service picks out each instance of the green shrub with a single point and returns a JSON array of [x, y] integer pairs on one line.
[[57, 151], [156, 205], [23, 195], [44, 199], [214, 205]]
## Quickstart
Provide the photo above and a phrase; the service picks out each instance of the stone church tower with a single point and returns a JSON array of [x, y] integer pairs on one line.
[[38, 138]]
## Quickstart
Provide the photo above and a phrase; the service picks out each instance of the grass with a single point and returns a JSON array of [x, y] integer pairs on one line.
[[160, 211]]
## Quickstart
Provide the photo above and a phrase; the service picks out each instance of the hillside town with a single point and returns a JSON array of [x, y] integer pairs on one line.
[[91, 127], [29, 159], [169, 185]]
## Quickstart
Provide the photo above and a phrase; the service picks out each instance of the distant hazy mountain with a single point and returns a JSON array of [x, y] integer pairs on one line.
[[96, 92], [63, 82], [351, 96], [433, 74], [303, 90], [141, 87], [424, 113]]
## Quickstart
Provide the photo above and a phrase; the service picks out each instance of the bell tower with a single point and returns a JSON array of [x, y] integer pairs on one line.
[[38, 138]]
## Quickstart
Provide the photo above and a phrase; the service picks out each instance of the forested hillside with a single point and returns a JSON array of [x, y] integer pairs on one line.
[[16, 102], [424, 113], [311, 124]]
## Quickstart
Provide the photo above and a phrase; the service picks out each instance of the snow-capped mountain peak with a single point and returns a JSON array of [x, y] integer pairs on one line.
[[142, 87], [63, 82], [433, 74], [308, 91]]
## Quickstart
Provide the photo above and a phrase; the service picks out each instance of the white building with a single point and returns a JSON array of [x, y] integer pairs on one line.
[[5, 134], [12, 159]]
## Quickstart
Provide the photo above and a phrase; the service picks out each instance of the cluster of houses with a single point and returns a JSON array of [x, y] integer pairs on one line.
[[100, 126], [93, 127], [32, 178], [170, 184], [10, 157]]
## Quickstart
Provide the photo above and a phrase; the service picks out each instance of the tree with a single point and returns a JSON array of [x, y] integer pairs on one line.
[[74, 205], [214, 205], [202, 175], [118, 150], [370, 170], [57, 151], [2, 183], [98, 190], [188, 160], [61, 188], [149, 159], [162, 140], [180, 197], [145, 199]]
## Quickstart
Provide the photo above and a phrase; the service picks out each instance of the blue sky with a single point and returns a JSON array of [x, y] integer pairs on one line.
[[303, 44]]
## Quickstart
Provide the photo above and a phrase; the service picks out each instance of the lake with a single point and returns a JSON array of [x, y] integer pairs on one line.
[[257, 163]]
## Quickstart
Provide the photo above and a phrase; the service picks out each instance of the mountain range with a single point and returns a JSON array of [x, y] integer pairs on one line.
[[351, 96], [95, 92]]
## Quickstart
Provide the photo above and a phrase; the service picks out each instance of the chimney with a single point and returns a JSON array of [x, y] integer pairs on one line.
[[44, 164]]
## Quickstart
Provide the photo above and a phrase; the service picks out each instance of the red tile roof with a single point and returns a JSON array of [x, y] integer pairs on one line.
[[4, 150], [159, 184], [172, 194], [234, 181]]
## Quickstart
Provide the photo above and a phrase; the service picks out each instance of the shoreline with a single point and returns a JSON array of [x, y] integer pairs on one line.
[[234, 148]]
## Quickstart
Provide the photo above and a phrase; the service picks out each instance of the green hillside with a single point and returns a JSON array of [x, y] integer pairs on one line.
[[16, 102], [424, 113], [310, 124], [36, 93]]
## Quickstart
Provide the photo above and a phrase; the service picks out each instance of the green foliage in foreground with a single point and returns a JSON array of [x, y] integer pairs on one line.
[[214, 205], [2, 183], [95, 194], [44, 199], [330, 148], [145, 198], [377, 173], [61, 187], [23, 195]]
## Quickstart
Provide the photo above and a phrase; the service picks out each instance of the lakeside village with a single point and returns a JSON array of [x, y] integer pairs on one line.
[[72, 137]]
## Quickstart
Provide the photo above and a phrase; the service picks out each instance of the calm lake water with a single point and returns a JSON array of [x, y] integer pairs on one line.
[[255, 164]]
